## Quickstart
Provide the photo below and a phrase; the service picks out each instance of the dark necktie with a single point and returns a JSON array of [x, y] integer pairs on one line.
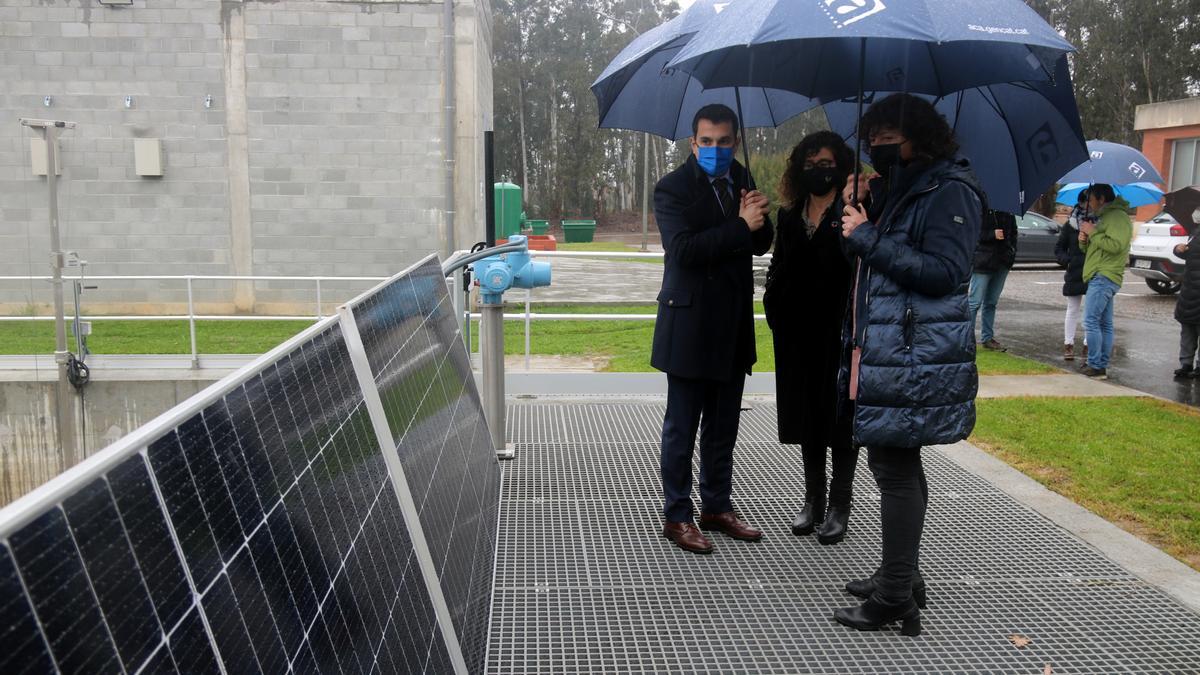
[[726, 199]]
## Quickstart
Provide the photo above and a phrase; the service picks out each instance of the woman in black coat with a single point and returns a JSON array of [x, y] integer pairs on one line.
[[1071, 257], [808, 288], [1187, 308]]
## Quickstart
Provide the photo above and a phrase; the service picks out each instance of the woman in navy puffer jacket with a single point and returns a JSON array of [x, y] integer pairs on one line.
[[910, 348]]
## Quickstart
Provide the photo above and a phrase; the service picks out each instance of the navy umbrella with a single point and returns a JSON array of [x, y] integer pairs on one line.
[[638, 92], [1114, 164], [1020, 137], [822, 48], [828, 48]]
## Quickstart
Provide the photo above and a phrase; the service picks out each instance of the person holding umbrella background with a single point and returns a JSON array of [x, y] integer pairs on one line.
[[1069, 255], [910, 370], [808, 285], [1105, 244]]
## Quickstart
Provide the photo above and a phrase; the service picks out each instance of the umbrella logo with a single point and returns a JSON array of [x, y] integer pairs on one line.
[[845, 12], [1043, 145], [720, 7], [1097, 154], [1137, 170]]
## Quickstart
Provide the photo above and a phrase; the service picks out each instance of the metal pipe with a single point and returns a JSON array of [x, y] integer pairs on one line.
[[192, 326], [528, 309], [319, 314], [492, 346], [450, 122], [489, 187], [65, 413]]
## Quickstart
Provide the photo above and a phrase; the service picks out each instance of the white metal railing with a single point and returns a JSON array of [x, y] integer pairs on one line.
[[528, 316], [191, 317]]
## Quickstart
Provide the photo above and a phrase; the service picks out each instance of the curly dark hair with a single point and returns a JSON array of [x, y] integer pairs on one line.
[[791, 190], [917, 120]]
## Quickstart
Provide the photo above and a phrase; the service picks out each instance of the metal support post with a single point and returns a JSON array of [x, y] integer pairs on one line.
[[528, 308], [192, 326], [320, 315], [65, 393], [492, 346]]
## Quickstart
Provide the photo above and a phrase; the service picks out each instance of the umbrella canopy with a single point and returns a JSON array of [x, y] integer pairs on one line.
[[639, 93], [1181, 204], [1137, 194], [1020, 137], [817, 47], [1114, 164]]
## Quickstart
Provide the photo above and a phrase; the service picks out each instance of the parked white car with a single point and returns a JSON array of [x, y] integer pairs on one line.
[[1152, 255]]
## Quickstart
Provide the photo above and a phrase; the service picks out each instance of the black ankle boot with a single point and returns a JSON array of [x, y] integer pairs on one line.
[[810, 517], [874, 615], [833, 529], [865, 588]]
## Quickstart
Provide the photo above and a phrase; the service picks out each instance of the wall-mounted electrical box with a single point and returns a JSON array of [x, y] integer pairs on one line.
[[37, 153], [147, 156]]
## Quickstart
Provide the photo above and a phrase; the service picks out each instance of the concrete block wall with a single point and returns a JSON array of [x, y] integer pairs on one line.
[[321, 153]]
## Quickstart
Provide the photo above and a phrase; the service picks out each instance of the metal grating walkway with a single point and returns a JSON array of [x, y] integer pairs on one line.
[[584, 581]]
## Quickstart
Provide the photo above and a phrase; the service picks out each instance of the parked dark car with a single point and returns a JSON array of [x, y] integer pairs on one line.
[[1038, 234]]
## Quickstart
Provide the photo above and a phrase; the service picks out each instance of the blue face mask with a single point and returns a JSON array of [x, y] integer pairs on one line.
[[715, 160]]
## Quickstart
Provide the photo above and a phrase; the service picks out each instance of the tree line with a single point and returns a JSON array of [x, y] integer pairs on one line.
[[546, 54]]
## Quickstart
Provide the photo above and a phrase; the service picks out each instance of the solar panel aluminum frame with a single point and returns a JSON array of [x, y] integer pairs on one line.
[[26, 509]]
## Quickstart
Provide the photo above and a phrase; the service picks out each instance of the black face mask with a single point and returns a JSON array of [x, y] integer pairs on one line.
[[886, 157], [819, 180]]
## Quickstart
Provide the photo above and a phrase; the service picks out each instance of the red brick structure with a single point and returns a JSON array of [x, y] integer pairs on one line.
[[1171, 141]]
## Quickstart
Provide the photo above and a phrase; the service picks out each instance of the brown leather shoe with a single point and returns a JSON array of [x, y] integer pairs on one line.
[[730, 524], [687, 537]]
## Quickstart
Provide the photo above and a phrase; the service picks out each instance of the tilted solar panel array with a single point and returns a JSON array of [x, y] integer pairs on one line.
[[256, 528], [424, 379]]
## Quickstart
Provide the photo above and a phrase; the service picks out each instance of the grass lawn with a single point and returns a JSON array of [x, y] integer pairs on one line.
[[625, 344], [153, 337], [610, 247], [1133, 461]]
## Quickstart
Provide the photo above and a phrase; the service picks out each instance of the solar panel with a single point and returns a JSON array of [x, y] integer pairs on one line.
[[263, 524]]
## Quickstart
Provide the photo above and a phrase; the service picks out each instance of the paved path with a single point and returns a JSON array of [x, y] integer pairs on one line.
[[585, 583]]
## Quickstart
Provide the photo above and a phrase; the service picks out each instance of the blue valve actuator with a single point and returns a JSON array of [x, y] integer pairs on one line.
[[501, 272]]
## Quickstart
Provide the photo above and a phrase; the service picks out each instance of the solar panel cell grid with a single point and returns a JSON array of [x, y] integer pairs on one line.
[[262, 531]]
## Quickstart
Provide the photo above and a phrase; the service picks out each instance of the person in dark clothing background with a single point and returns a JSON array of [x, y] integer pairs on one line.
[[1071, 257], [994, 257], [712, 223], [808, 288], [1187, 308], [910, 370]]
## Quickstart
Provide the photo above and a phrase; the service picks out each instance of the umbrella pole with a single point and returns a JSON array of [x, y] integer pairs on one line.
[[737, 96], [862, 75]]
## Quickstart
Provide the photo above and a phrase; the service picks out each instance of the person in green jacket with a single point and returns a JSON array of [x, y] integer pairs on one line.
[[1105, 243]]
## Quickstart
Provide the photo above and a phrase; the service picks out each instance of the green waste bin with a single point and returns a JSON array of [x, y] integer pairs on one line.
[[578, 231], [539, 226], [509, 210]]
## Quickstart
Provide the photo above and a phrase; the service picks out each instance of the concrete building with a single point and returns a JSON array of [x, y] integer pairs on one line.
[[297, 137], [1171, 140]]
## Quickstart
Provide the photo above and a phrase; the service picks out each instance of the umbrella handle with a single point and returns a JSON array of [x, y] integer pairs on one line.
[[858, 136], [737, 96]]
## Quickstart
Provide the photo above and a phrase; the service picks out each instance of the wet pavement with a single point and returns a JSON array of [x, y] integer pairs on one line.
[[1030, 322]]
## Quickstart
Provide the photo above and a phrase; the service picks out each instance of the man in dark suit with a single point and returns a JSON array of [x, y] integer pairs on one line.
[[711, 223]]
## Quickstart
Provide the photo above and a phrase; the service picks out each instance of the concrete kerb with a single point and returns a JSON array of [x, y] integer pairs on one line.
[[1139, 557]]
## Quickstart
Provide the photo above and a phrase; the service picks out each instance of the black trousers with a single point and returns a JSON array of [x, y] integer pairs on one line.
[[715, 409], [904, 496], [841, 483]]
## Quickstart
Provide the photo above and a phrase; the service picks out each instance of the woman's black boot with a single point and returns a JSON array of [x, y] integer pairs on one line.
[[833, 529], [810, 517], [865, 588], [874, 615]]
